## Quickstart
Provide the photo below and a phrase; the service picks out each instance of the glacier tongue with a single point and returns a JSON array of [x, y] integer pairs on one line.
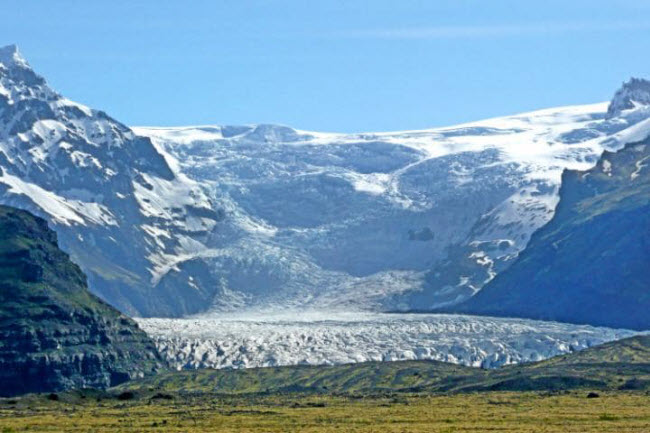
[[290, 338]]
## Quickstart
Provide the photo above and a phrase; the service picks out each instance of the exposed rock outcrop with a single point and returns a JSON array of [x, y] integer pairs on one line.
[[590, 263], [55, 334]]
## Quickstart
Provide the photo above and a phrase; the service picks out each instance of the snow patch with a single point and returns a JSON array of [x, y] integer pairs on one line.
[[640, 165], [62, 210]]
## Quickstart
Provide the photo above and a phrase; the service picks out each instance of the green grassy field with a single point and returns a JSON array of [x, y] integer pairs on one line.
[[474, 412]]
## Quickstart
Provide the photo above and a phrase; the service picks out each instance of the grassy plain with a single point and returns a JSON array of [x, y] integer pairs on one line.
[[412, 396], [294, 412]]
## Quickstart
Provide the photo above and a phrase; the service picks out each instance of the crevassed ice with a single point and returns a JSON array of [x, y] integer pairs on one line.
[[267, 339]]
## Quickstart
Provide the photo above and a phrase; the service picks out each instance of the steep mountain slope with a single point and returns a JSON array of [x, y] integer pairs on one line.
[[399, 221], [54, 334], [228, 218], [120, 210], [623, 364], [590, 263]]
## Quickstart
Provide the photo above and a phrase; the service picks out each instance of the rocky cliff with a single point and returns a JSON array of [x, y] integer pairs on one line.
[[55, 334], [590, 263]]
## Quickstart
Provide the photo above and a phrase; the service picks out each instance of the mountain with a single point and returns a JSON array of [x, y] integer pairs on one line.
[[118, 207], [623, 364], [632, 94], [54, 334], [399, 220], [176, 221], [590, 263]]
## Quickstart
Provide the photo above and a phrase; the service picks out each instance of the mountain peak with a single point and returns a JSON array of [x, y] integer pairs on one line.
[[633, 92], [10, 56]]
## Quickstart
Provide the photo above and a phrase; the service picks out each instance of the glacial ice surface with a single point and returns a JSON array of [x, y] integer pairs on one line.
[[247, 340]]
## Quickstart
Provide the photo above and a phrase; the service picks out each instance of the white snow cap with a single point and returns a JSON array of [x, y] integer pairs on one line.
[[632, 93], [10, 56]]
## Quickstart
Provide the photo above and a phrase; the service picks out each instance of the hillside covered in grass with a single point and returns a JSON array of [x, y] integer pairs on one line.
[[610, 394], [55, 334], [624, 364]]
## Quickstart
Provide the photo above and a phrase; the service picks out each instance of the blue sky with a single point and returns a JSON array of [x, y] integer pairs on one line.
[[330, 65]]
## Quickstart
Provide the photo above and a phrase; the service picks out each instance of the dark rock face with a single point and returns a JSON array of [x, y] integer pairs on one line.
[[590, 264], [634, 91], [55, 334]]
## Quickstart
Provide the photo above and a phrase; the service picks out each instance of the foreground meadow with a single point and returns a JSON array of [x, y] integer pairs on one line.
[[477, 412]]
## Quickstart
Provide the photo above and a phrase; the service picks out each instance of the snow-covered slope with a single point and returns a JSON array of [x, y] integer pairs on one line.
[[244, 341], [173, 221], [120, 210], [403, 220]]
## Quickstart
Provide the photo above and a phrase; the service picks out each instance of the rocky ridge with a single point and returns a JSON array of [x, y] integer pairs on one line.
[[55, 334]]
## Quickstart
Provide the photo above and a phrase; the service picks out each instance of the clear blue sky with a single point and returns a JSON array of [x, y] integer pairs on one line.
[[330, 65]]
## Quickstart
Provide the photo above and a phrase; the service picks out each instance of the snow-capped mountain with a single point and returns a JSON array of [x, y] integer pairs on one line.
[[590, 263], [403, 220], [109, 193], [632, 94], [173, 221]]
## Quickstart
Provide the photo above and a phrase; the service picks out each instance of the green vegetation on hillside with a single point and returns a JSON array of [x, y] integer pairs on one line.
[[622, 364], [601, 389], [55, 334]]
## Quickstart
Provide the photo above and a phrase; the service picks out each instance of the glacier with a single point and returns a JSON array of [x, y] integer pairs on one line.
[[392, 221], [175, 221], [295, 246], [266, 339]]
